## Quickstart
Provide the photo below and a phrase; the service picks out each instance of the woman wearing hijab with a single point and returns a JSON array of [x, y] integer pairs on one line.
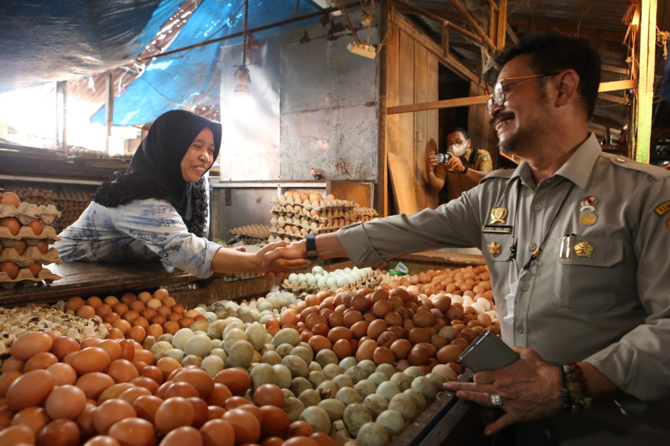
[[158, 208]]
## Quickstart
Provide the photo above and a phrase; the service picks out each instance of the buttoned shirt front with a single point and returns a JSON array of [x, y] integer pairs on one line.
[[599, 289]]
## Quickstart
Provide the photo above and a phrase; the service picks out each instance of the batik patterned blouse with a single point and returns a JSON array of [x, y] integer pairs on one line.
[[142, 230]]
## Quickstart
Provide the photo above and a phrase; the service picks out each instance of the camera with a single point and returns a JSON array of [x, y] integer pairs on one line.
[[442, 158]]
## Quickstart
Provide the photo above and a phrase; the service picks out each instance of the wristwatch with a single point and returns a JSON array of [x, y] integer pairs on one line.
[[310, 240], [465, 170]]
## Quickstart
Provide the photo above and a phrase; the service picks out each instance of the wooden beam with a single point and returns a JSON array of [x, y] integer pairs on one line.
[[449, 103], [473, 23], [502, 25], [613, 98], [570, 27], [476, 100], [444, 22], [381, 188], [643, 112], [617, 85], [512, 35], [607, 122], [445, 41], [450, 61], [109, 110], [613, 69]]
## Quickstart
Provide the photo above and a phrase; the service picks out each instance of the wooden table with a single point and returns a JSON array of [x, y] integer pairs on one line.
[[102, 279]]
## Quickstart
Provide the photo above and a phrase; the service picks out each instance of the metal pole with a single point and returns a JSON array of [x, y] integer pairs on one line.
[[109, 110]]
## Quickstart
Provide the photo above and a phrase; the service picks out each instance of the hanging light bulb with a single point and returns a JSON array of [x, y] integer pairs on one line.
[[241, 102]]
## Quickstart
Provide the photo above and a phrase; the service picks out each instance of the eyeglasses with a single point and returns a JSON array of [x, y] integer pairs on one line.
[[500, 95], [458, 142]]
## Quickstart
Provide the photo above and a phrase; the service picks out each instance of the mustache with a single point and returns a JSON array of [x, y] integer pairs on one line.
[[501, 117]]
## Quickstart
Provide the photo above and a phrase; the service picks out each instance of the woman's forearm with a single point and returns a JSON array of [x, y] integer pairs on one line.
[[231, 261]]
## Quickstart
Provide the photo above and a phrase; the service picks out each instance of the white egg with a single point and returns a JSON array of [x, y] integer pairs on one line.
[[356, 275], [342, 281], [351, 279], [302, 278], [292, 278], [311, 280], [321, 282], [347, 270], [484, 303], [317, 270], [331, 281]]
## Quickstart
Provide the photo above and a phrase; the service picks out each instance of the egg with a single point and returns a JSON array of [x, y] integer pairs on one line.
[[20, 247], [59, 433], [40, 361], [342, 281], [36, 227], [31, 389], [245, 424], [9, 198], [94, 384], [218, 432], [12, 224], [173, 413], [34, 418], [274, 421], [146, 407], [102, 440], [134, 432], [10, 268], [110, 412], [66, 401], [93, 359], [185, 435]]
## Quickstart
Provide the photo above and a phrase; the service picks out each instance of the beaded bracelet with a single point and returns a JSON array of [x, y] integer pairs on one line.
[[574, 391]]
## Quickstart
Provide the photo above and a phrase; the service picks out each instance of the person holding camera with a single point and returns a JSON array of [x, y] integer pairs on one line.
[[461, 168]]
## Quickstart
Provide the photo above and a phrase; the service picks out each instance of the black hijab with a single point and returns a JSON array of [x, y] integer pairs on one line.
[[155, 170]]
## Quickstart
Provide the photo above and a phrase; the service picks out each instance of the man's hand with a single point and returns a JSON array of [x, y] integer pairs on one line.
[[431, 162], [530, 389], [293, 251], [455, 164], [280, 266]]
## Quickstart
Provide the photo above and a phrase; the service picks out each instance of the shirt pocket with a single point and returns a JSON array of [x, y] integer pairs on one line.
[[588, 284], [496, 247]]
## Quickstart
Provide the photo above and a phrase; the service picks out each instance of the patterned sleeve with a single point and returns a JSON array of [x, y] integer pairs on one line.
[[158, 225]]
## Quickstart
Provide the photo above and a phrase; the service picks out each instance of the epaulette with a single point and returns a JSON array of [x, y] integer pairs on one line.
[[657, 173]]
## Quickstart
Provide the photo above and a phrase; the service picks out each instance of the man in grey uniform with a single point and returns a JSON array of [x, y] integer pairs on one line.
[[577, 245]]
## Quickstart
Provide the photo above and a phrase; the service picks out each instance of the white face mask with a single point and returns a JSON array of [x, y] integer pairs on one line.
[[459, 150]]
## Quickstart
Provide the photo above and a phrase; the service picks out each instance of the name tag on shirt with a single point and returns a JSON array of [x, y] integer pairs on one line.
[[496, 229]]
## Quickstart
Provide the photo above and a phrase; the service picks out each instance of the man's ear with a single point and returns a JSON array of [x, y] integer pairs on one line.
[[566, 84]]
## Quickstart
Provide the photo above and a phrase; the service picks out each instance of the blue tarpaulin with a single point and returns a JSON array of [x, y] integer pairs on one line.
[[49, 40], [190, 78]]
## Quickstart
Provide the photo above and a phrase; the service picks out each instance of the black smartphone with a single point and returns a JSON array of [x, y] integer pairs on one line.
[[487, 352], [442, 158]]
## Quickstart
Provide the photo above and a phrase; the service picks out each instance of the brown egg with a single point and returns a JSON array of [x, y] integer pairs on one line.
[[167, 366], [173, 413], [146, 407], [460, 342], [319, 343], [59, 433], [30, 344], [299, 429], [120, 308], [274, 421], [128, 298], [110, 412], [63, 374], [94, 384], [383, 355], [387, 338], [335, 319], [236, 380], [417, 335], [34, 418], [30, 389], [181, 389], [40, 361], [199, 379], [215, 412], [337, 333], [12, 224], [65, 402], [134, 432], [133, 393], [423, 319], [74, 304], [359, 329], [10, 268], [342, 348], [449, 353], [376, 328], [112, 348], [171, 327], [246, 426], [102, 440], [185, 322], [122, 371], [6, 380], [35, 269], [392, 318], [137, 333], [360, 303], [220, 393], [17, 435], [365, 350], [85, 420], [419, 355], [351, 317], [401, 348], [93, 359]]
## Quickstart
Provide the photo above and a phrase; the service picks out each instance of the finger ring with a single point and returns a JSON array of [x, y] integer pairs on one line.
[[496, 400]]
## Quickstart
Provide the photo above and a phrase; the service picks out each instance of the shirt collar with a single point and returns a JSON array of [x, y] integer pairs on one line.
[[577, 169]]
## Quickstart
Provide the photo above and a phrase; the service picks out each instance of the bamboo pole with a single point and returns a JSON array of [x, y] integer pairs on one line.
[[643, 114]]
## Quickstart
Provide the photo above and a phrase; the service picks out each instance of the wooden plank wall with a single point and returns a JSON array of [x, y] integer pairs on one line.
[[412, 77], [481, 132]]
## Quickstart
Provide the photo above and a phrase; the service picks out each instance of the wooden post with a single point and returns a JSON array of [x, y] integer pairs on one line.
[[109, 110], [445, 40], [473, 23], [381, 190], [502, 25], [643, 114]]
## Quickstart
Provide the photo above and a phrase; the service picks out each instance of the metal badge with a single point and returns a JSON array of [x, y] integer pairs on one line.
[[583, 249], [494, 249], [590, 201], [588, 219], [587, 208], [498, 215], [662, 209]]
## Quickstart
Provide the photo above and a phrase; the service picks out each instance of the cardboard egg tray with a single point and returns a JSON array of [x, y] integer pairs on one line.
[[26, 233], [27, 278], [30, 256], [252, 231], [26, 212], [371, 281], [316, 205]]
